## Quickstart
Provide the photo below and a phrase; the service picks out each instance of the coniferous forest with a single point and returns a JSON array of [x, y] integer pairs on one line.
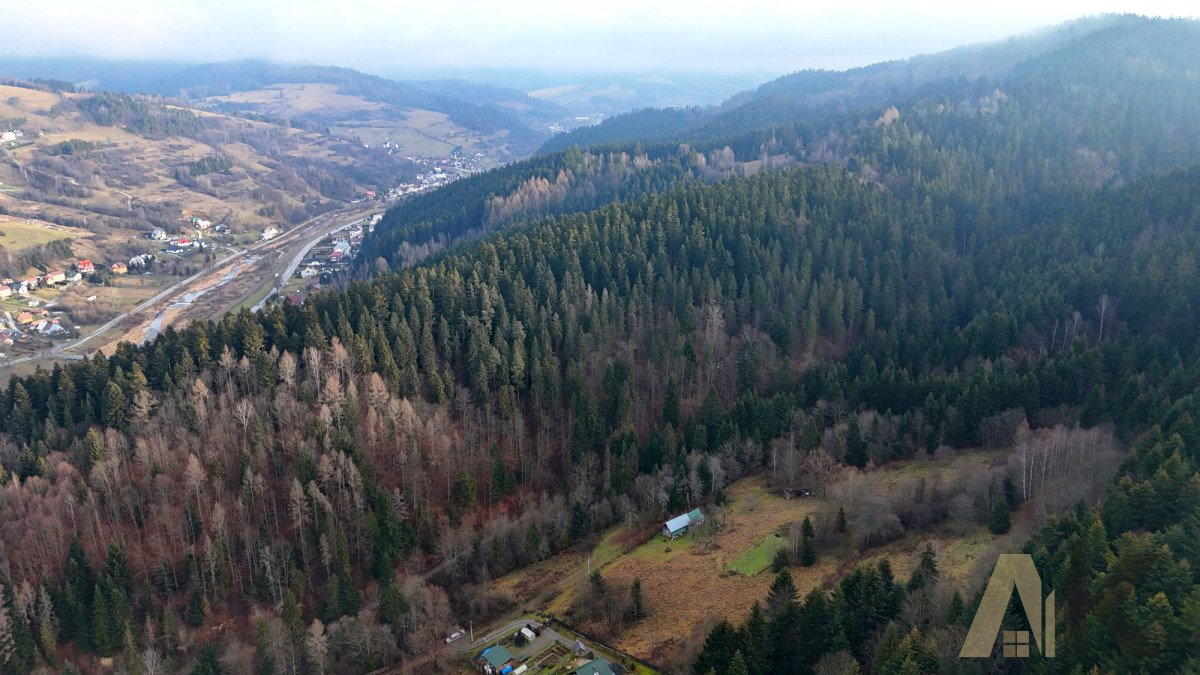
[[847, 270]]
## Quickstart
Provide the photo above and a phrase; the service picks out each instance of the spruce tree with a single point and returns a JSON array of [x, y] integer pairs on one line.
[[737, 666], [999, 521], [926, 572], [637, 608], [808, 545], [781, 598], [670, 411]]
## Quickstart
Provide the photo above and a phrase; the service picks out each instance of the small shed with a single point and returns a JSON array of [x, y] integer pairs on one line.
[[679, 524]]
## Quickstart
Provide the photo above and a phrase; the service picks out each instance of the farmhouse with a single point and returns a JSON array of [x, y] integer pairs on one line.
[[679, 524], [85, 266], [495, 659]]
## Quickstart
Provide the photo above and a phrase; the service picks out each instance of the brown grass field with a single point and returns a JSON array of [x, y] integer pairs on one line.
[[688, 587]]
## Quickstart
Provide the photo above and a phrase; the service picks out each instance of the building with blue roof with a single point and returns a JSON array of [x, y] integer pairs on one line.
[[679, 524]]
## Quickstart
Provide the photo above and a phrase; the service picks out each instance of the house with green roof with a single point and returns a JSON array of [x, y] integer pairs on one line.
[[679, 524], [598, 667], [494, 659]]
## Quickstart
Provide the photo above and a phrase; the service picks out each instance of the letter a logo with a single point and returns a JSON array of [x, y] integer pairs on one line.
[[1012, 570]]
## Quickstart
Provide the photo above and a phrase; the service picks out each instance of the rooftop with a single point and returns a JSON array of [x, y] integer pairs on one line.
[[497, 656], [598, 667]]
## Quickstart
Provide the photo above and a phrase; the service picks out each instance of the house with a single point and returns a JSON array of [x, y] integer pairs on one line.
[[296, 299], [24, 318], [85, 266], [336, 256], [8, 136], [599, 667], [679, 524], [308, 272], [270, 233], [119, 267], [5, 292], [221, 228], [75, 276], [55, 277], [495, 660], [796, 491], [158, 234]]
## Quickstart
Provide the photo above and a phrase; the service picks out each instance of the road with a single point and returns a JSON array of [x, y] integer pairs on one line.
[[312, 230], [462, 647], [283, 278]]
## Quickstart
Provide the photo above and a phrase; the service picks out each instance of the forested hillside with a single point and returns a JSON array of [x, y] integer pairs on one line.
[[617, 334]]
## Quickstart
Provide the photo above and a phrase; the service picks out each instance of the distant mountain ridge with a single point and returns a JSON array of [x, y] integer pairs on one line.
[[813, 93], [478, 107]]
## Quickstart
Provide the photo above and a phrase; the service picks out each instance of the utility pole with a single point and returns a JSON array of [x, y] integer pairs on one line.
[[472, 627]]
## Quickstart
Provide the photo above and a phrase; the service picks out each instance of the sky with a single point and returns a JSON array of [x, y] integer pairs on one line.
[[403, 36]]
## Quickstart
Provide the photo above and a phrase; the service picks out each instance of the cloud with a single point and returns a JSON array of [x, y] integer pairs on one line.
[[377, 35]]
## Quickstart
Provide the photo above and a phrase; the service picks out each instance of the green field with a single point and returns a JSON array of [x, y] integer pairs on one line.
[[759, 558], [16, 235]]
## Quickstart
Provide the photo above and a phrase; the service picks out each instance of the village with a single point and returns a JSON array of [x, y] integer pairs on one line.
[[327, 257], [35, 314], [439, 171]]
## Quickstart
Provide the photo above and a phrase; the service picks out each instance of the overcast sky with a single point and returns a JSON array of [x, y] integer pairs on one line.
[[730, 36]]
